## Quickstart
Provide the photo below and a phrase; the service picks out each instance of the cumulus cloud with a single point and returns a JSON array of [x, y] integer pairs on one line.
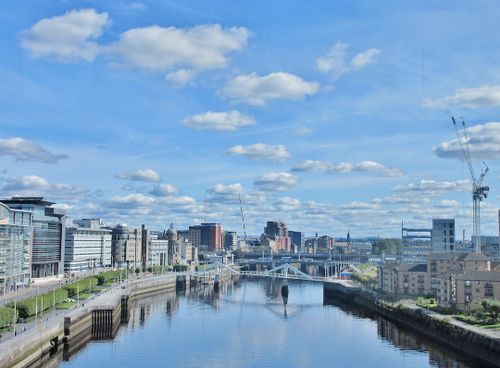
[[140, 175], [261, 151], [482, 96], [287, 204], [256, 90], [276, 182], [219, 121], [181, 51], [435, 187], [484, 141], [447, 203], [373, 167], [66, 37], [24, 150], [130, 201], [37, 185], [221, 193], [336, 61], [163, 190], [181, 77]]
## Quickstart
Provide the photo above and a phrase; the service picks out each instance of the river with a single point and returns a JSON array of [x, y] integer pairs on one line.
[[247, 325]]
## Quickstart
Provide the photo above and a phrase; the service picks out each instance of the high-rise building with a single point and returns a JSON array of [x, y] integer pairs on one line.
[[145, 238], [49, 225], [230, 240], [325, 241], [15, 248], [276, 228], [87, 246], [211, 236], [443, 235], [297, 240], [194, 235]]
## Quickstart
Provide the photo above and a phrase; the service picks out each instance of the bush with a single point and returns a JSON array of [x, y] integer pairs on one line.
[[7, 316], [81, 286]]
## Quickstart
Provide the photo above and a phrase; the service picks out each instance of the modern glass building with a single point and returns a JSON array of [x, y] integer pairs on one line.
[[15, 249], [47, 256]]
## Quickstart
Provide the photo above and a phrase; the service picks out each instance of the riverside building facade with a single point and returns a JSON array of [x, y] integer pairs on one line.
[[49, 225], [15, 249], [87, 246]]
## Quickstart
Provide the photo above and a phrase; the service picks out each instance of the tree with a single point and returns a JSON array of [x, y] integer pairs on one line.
[[388, 246]]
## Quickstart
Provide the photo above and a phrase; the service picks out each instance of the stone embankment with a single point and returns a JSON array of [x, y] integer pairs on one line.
[[95, 319], [483, 345]]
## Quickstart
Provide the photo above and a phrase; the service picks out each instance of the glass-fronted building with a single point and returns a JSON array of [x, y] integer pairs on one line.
[[47, 256], [15, 249]]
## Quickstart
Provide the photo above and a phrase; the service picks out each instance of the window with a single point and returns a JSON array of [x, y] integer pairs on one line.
[[488, 290]]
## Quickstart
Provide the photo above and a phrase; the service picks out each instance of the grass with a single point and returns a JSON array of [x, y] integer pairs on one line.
[[492, 327], [85, 296], [65, 305]]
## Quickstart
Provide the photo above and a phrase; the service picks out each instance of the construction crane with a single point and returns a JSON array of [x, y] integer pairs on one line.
[[243, 222], [479, 191]]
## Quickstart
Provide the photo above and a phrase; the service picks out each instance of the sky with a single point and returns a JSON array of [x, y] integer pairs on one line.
[[329, 115]]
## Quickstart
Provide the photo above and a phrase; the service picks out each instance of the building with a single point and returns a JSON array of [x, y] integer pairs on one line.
[[230, 240], [276, 229], [194, 235], [145, 240], [87, 246], [211, 236], [361, 248], [416, 244], [460, 290], [404, 278], [174, 246], [296, 240], [443, 235], [158, 251], [49, 225], [15, 248], [126, 246], [326, 241], [442, 264]]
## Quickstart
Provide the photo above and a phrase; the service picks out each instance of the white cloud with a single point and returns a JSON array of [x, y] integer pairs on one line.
[[183, 51], [435, 187], [336, 60], [219, 121], [373, 167], [255, 90], [24, 150], [302, 131], [484, 141], [37, 185], [449, 203], [482, 96], [130, 201], [221, 193], [280, 182], [163, 190], [140, 175], [287, 204], [261, 151], [181, 77], [66, 37]]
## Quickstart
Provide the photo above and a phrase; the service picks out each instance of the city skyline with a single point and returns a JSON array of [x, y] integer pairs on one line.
[[317, 116]]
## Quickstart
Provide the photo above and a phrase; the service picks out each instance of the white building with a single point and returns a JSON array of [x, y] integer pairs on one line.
[[87, 246], [158, 251]]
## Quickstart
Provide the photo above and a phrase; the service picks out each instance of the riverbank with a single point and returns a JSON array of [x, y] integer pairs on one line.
[[78, 326], [482, 344]]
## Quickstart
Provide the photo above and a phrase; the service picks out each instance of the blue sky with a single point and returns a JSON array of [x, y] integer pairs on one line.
[[330, 116]]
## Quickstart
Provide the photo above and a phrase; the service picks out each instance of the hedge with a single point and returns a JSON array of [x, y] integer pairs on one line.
[[28, 307], [7, 316], [81, 286]]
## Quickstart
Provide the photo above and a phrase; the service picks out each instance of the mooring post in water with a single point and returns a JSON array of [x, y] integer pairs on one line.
[[216, 283], [284, 291]]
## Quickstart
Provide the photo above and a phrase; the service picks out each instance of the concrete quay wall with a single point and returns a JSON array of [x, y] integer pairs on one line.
[[99, 318], [476, 342]]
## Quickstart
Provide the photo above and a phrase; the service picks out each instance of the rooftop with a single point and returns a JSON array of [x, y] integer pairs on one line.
[[27, 200]]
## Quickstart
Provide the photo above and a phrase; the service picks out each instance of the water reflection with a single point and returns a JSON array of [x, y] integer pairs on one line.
[[255, 323]]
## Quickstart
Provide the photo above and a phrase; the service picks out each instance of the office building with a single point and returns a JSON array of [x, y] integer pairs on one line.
[[126, 246], [230, 240], [158, 251], [87, 246], [211, 236], [416, 244], [296, 240], [15, 248], [443, 235], [326, 241], [49, 225]]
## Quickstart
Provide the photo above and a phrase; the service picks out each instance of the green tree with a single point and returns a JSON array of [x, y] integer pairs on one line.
[[388, 246]]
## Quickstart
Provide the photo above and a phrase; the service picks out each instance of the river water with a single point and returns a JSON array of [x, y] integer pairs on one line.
[[246, 325]]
